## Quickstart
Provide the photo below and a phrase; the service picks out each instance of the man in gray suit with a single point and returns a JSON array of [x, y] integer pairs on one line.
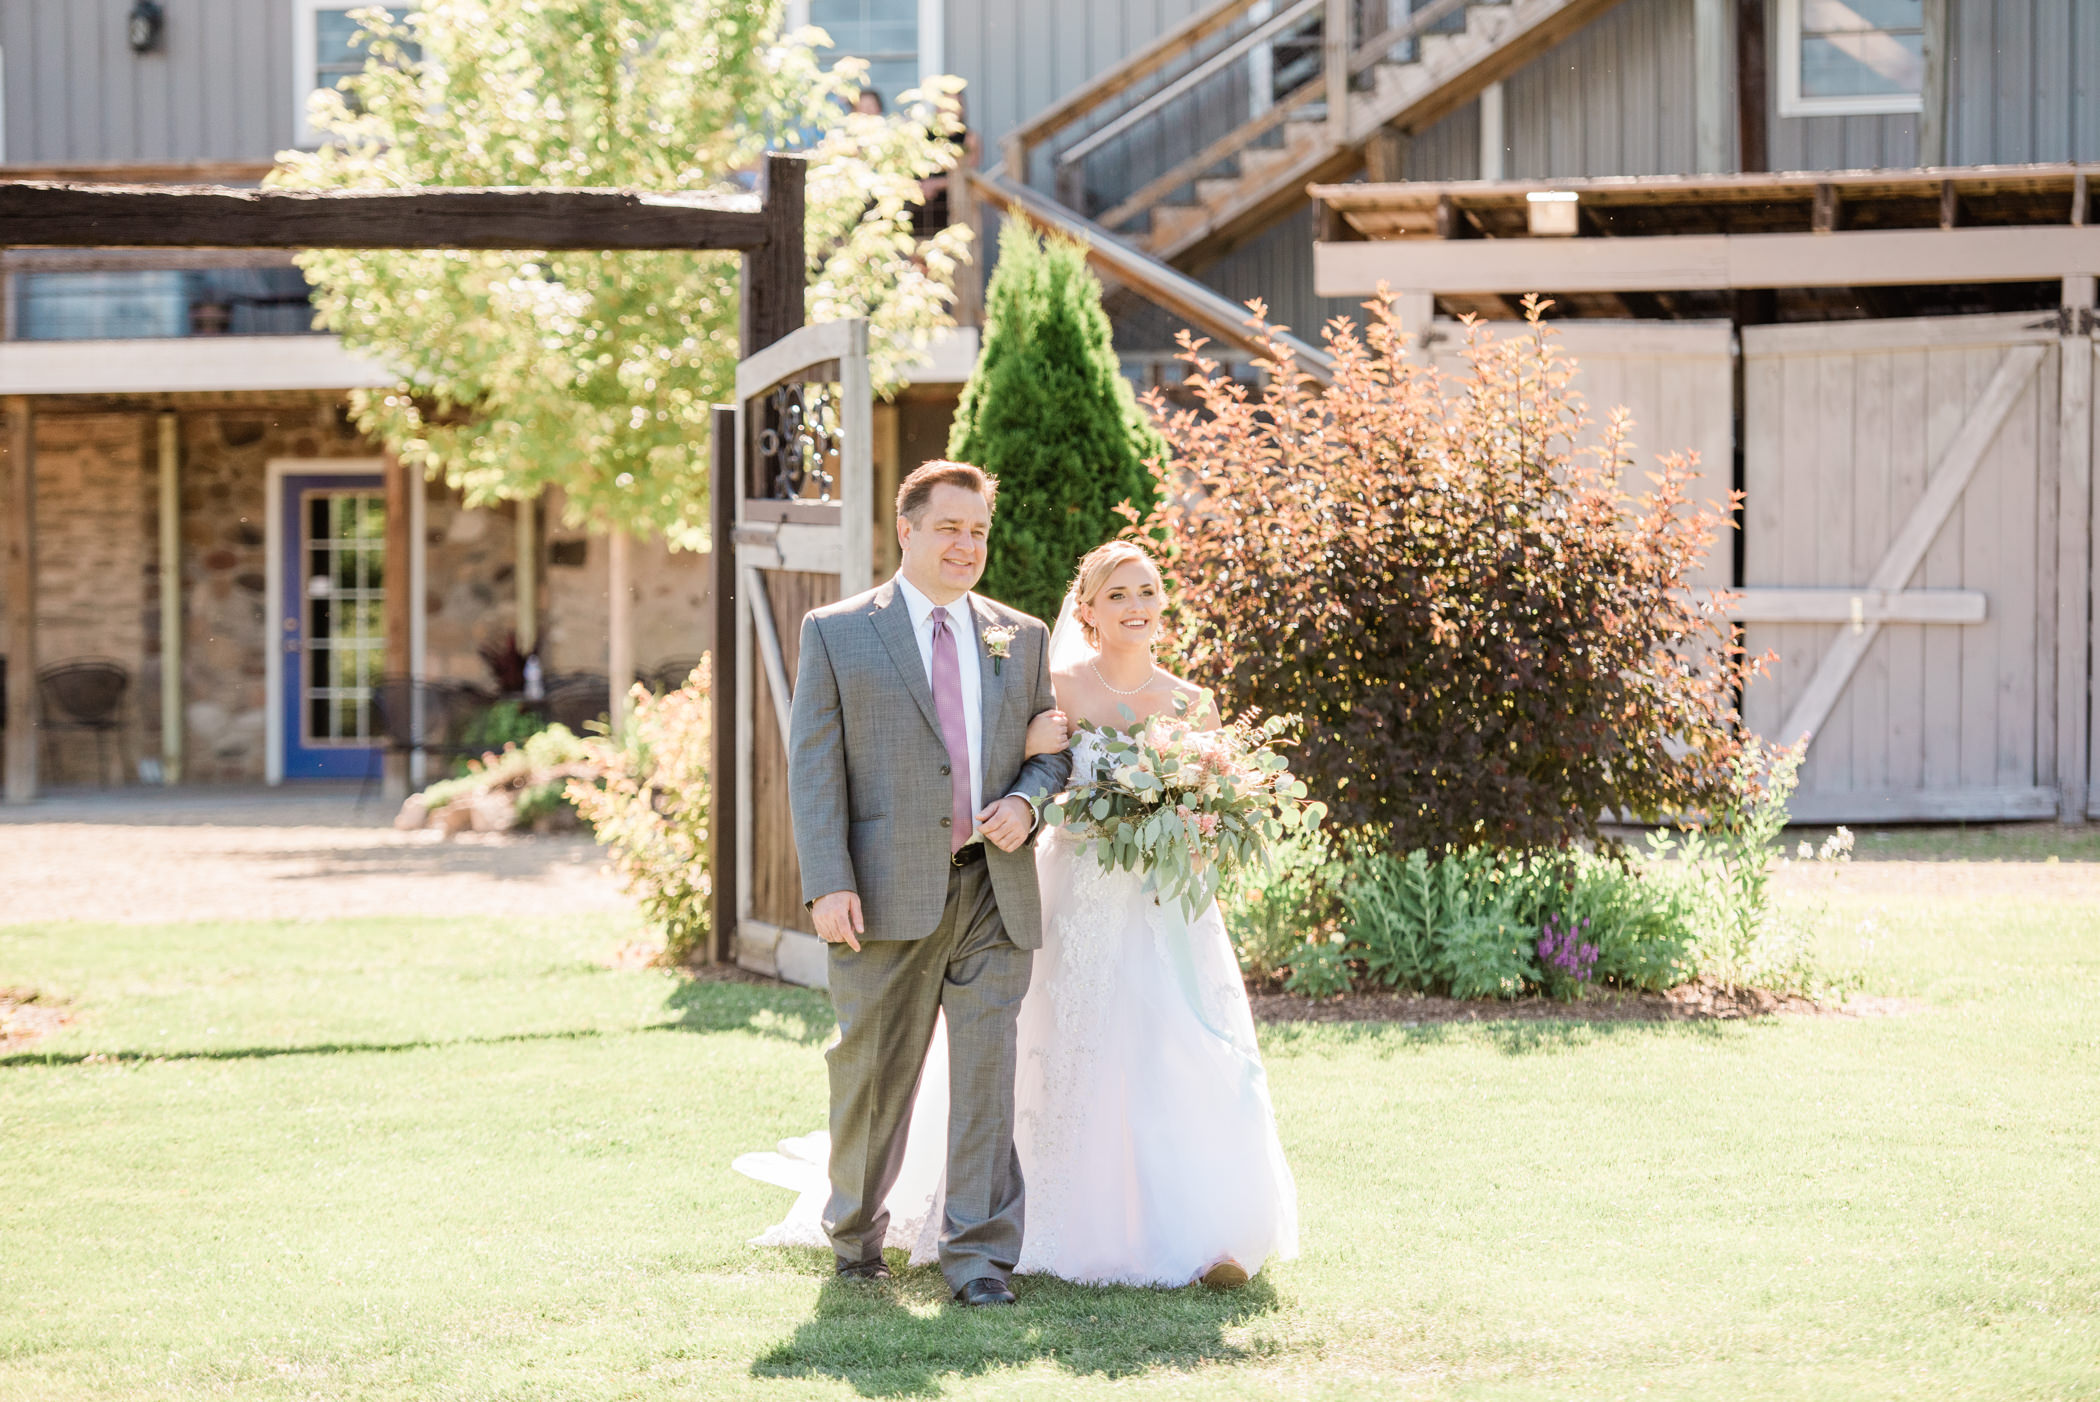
[[911, 710]]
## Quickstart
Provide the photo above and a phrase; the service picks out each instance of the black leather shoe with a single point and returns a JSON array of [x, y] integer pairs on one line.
[[865, 1270], [985, 1290]]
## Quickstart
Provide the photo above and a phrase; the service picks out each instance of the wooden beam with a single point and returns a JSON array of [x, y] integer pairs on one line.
[[776, 272], [1932, 110], [1859, 606], [1715, 262], [1950, 205], [1710, 85], [1752, 87], [1334, 44], [721, 700], [1943, 491], [398, 483], [1825, 215], [2074, 553], [168, 443], [18, 596], [37, 215], [1983, 803], [117, 260]]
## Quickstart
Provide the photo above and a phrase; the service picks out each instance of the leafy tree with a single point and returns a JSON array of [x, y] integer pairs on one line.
[[1487, 642], [595, 371], [1048, 412]]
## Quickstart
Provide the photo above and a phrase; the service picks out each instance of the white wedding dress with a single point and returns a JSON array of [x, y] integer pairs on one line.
[[1146, 1136]]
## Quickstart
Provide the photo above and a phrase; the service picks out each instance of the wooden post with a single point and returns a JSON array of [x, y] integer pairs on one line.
[[171, 719], [1752, 82], [1710, 85], [619, 626], [2074, 549], [398, 586], [19, 588], [722, 800], [1335, 43], [1493, 142], [1932, 114], [527, 569], [776, 273], [1417, 314]]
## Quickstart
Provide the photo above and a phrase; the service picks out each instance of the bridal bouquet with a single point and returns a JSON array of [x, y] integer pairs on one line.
[[1183, 806]]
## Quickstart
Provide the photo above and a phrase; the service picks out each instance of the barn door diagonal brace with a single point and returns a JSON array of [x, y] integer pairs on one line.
[[1957, 466], [769, 653]]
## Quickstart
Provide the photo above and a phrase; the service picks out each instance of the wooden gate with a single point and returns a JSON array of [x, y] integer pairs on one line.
[[804, 537], [1901, 556]]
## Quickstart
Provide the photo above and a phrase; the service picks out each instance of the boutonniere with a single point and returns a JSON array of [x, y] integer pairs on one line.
[[999, 642]]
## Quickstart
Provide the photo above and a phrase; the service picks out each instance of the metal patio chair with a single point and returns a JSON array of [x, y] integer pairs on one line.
[[85, 694]]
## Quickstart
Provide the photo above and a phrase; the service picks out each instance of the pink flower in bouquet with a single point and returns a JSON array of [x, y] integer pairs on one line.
[[1207, 824]]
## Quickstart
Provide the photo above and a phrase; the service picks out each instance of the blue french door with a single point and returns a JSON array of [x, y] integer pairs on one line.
[[332, 623]]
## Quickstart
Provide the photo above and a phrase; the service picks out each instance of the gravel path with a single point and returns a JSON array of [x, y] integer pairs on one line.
[[134, 858]]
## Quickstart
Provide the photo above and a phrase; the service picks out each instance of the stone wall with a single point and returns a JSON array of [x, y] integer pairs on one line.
[[225, 454], [673, 619], [96, 593]]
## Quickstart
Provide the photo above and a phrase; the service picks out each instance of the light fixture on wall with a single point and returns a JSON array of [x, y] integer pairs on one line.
[[142, 27]]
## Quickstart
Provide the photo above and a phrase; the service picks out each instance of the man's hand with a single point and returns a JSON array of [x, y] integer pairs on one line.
[[1007, 823], [838, 919], [1048, 733]]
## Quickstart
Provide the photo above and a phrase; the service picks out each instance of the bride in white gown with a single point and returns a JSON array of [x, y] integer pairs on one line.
[[1143, 1124]]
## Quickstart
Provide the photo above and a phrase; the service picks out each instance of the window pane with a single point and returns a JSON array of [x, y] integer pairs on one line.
[[884, 32], [1822, 16], [1862, 65], [102, 306]]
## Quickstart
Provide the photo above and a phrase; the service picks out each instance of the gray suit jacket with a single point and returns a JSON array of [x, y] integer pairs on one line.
[[865, 760]]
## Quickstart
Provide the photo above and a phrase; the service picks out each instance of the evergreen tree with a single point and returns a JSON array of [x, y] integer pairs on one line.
[[1048, 412]]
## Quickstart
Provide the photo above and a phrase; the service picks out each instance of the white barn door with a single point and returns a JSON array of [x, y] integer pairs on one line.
[[1901, 547]]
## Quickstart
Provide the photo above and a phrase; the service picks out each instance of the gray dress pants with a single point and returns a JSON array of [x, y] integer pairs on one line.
[[886, 995]]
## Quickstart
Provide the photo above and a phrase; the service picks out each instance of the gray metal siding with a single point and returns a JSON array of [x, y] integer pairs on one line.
[[2021, 80], [219, 89], [1277, 267], [1019, 56], [1842, 143]]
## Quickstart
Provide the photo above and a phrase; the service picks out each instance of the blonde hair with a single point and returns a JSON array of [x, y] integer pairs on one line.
[[1094, 569]]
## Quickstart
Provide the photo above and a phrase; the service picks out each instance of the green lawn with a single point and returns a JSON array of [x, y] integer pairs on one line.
[[466, 1160]]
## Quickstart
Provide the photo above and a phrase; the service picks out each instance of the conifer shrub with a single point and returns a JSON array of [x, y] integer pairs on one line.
[[1048, 412], [1487, 642]]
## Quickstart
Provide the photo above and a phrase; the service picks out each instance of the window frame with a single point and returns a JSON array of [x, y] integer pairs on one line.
[[933, 25], [1793, 104]]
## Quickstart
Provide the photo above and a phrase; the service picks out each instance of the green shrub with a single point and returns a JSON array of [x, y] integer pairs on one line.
[[1048, 412], [501, 725], [1272, 911], [650, 807], [1320, 968], [536, 770]]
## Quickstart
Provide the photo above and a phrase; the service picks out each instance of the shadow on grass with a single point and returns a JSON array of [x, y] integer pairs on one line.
[[117, 1058], [799, 1015], [903, 1338], [1511, 1037]]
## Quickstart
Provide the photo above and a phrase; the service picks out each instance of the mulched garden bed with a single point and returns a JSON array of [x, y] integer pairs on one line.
[[1703, 1000]]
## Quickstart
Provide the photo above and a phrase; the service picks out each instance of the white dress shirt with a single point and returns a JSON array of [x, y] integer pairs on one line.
[[962, 623]]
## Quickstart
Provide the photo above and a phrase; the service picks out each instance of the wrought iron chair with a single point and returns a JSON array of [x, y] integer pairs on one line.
[[85, 693], [669, 675], [431, 716], [575, 699]]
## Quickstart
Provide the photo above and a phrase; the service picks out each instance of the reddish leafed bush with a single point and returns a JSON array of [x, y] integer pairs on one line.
[[1488, 641]]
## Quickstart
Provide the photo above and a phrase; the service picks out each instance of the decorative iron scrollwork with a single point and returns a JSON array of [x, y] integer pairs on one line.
[[797, 442]]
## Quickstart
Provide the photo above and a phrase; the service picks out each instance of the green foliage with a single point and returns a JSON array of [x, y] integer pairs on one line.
[[1048, 412], [650, 805], [1320, 968], [505, 723], [1272, 908], [535, 768], [1488, 642], [596, 372]]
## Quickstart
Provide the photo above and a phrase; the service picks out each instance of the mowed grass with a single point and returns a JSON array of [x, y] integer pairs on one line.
[[416, 1159]]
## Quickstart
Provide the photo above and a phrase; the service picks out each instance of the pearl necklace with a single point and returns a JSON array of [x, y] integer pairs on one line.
[[1147, 685]]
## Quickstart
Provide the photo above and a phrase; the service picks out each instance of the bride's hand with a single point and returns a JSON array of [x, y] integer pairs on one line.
[[1049, 733]]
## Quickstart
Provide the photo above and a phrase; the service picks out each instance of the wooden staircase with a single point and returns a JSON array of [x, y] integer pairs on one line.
[[1143, 153]]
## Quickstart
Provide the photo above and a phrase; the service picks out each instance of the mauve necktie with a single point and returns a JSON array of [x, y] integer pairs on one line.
[[948, 705]]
